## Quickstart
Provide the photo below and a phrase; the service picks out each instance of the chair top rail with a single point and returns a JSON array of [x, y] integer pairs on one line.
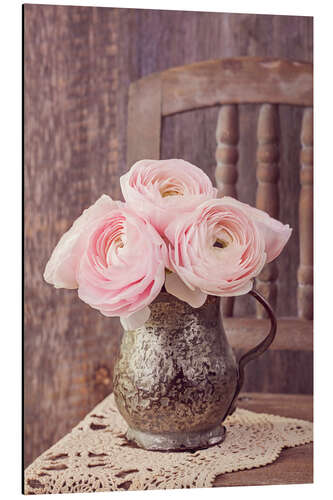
[[240, 80]]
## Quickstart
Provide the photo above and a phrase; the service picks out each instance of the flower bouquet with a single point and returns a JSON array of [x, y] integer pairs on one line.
[[160, 261], [172, 230]]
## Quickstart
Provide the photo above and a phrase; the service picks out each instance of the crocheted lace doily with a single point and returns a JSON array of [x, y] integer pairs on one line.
[[95, 456]]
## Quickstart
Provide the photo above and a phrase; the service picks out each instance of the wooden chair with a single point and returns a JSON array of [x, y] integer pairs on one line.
[[227, 83]]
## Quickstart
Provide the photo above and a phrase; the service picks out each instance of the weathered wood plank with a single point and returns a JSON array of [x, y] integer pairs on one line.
[[285, 405], [236, 80], [71, 158], [290, 355], [292, 333], [144, 120]]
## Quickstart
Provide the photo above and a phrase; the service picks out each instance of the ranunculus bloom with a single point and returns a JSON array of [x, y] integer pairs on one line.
[[164, 189], [276, 234], [115, 258], [60, 270], [219, 248]]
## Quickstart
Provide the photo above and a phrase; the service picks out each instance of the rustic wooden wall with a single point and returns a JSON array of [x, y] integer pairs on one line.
[[78, 63]]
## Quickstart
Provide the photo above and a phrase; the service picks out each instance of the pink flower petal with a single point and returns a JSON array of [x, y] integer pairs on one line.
[[175, 286], [123, 265], [61, 268], [275, 233], [162, 189], [135, 320]]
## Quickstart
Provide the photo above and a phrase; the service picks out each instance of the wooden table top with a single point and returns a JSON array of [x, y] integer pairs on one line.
[[294, 465]]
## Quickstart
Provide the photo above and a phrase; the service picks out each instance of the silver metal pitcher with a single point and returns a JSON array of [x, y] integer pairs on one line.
[[176, 379]]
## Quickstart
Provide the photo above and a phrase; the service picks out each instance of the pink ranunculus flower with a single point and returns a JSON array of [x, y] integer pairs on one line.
[[219, 248], [115, 258], [275, 234], [61, 268], [164, 189]]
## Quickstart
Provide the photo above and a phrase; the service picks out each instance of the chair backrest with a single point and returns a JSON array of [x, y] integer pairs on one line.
[[229, 82]]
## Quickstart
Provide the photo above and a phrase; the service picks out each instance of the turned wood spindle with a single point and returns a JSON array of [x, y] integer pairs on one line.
[[305, 270], [267, 191], [227, 136]]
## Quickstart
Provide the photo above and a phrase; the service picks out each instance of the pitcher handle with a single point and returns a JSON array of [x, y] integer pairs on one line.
[[257, 350]]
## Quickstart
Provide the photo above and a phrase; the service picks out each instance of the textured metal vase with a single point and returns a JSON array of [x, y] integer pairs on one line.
[[176, 377]]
